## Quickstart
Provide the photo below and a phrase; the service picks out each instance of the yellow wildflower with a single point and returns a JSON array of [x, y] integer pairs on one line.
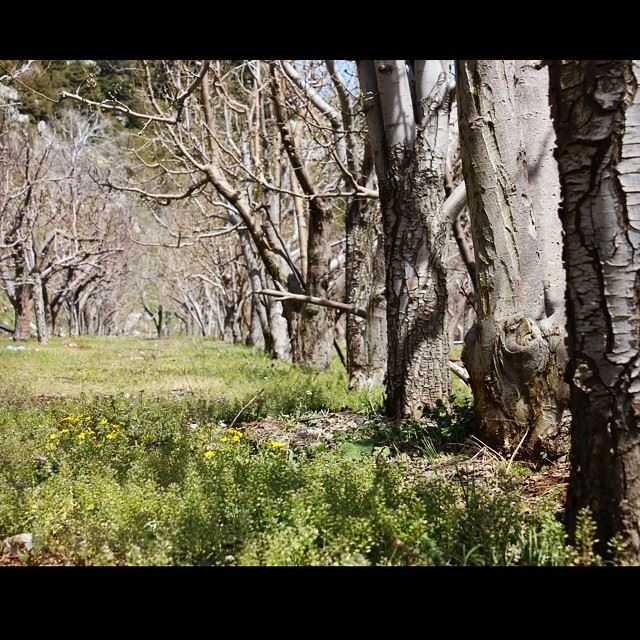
[[209, 454], [65, 430], [53, 436], [224, 439], [278, 445], [235, 439], [103, 421], [111, 435], [82, 435]]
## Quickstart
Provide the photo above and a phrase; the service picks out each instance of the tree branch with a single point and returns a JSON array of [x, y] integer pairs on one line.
[[323, 302], [115, 107]]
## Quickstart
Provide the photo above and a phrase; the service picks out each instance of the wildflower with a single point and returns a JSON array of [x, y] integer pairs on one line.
[[65, 430], [53, 436], [103, 421], [111, 435], [82, 435], [235, 439], [277, 445], [209, 454], [224, 439]]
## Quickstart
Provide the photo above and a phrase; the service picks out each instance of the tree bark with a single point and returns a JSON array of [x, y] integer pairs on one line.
[[515, 353], [40, 309], [596, 108], [365, 284], [317, 324], [23, 311], [409, 134]]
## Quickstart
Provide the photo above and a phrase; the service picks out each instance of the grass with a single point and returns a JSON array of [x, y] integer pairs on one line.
[[119, 452], [172, 367]]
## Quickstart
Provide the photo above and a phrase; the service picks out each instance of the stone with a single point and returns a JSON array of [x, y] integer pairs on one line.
[[21, 543]]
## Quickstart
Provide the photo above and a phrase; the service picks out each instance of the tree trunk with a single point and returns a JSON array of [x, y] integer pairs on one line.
[[515, 353], [255, 336], [280, 331], [74, 320], [258, 307], [23, 311], [317, 324], [40, 309], [365, 279], [596, 109], [408, 128]]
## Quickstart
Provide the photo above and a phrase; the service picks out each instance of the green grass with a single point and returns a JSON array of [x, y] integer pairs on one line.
[[173, 367], [105, 466]]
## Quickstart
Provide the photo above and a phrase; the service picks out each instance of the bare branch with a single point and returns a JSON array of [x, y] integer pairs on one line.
[[323, 302], [114, 107]]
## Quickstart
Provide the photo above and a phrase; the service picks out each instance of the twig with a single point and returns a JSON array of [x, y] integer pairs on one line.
[[184, 373], [245, 406], [513, 455], [486, 446], [340, 354]]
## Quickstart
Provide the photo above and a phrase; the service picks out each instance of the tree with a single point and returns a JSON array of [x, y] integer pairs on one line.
[[596, 111], [333, 108], [514, 354], [407, 105]]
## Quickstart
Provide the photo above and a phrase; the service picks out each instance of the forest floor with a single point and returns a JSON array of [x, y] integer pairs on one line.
[[193, 451]]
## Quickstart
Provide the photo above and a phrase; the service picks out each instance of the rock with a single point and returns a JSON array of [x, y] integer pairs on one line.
[[21, 543]]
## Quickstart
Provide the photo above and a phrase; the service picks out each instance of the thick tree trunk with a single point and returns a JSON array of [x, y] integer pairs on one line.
[[408, 119], [515, 353], [365, 284], [23, 312], [416, 255], [596, 108]]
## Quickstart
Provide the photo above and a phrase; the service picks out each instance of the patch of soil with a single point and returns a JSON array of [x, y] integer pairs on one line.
[[308, 430]]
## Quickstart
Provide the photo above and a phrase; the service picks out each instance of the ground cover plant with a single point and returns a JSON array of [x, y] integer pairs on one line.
[[194, 451]]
